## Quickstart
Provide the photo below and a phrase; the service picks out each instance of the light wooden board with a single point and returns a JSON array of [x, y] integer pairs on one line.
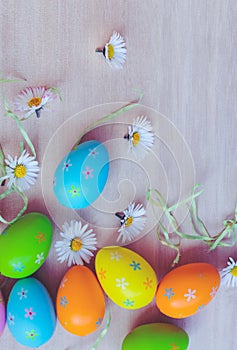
[[182, 55]]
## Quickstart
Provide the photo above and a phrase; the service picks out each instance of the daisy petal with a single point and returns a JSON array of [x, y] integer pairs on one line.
[[115, 51], [229, 274], [32, 100], [77, 244], [133, 221], [140, 137], [21, 172]]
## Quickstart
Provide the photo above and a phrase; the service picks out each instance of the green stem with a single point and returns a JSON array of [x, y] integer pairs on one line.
[[3, 80]]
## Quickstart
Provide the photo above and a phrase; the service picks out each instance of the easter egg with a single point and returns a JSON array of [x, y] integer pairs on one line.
[[187, 289], [2, 314], [126, 277], [30, 313], [81, 176], [25, 245], [156, 336], [80, 301]]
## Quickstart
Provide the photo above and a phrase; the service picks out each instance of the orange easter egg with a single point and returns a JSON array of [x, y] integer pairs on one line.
[[80, 301], [187, 289]]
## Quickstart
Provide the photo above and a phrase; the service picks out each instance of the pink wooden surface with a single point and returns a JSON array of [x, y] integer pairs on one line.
[[182, 55]]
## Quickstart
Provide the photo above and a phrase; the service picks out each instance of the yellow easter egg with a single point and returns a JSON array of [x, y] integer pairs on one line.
[[126, 277]]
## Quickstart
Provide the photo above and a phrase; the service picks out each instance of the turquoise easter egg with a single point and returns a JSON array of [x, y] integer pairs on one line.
[[2, 314], [156, 336], [25, 245], [81, 176], [30, 313]]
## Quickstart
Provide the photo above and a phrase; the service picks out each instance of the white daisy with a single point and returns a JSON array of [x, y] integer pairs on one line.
[[115, 51], [33, 100], [229, 273], [21, 172], [133, 221], [140, 136], [77, 243]]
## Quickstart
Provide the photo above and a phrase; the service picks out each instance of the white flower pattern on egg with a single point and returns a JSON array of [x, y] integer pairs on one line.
[[92, 152], [11, 319], [121, 283], [190, 295], [213, 291], [115, 256], [67, 165], [23, 293], [39, 258]]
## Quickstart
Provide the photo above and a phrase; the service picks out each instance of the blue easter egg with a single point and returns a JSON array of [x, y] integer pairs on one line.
[[30, 313], [81, 176]]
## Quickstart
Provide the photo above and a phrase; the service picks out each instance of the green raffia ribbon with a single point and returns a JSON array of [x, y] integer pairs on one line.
[[200, 232], [228, 232], [164, 236], [103, 332], [2, 160], [10, 114], [108, 117], [13, 188]]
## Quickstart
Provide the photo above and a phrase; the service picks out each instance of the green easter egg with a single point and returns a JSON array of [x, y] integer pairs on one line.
[[156, 336], [24, 245]]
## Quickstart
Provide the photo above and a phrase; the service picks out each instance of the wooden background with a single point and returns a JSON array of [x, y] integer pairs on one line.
[[182, 55]]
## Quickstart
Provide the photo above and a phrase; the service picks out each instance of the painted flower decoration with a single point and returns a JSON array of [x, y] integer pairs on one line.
[[140, 136], [133, 221], [229, 273], [115, 51], [77, 244], [34, 100], [21, 172]]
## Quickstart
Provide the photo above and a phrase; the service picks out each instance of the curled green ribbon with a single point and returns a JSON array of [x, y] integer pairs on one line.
[[200, 231], [2, 160], [108, 117], [10, 114], [103, 332], [3, 169], [219, 240]]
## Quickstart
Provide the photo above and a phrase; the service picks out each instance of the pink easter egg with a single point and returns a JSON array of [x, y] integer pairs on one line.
[[2, 314]]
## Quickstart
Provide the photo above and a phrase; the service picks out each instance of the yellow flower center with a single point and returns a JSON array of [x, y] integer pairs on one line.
[[76, 244], [129, 221], [110, 51], [233, 271], [135, 138], [20, 171], [34, 102]]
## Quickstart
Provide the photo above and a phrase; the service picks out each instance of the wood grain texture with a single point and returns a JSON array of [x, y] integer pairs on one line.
[[182, 55]]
